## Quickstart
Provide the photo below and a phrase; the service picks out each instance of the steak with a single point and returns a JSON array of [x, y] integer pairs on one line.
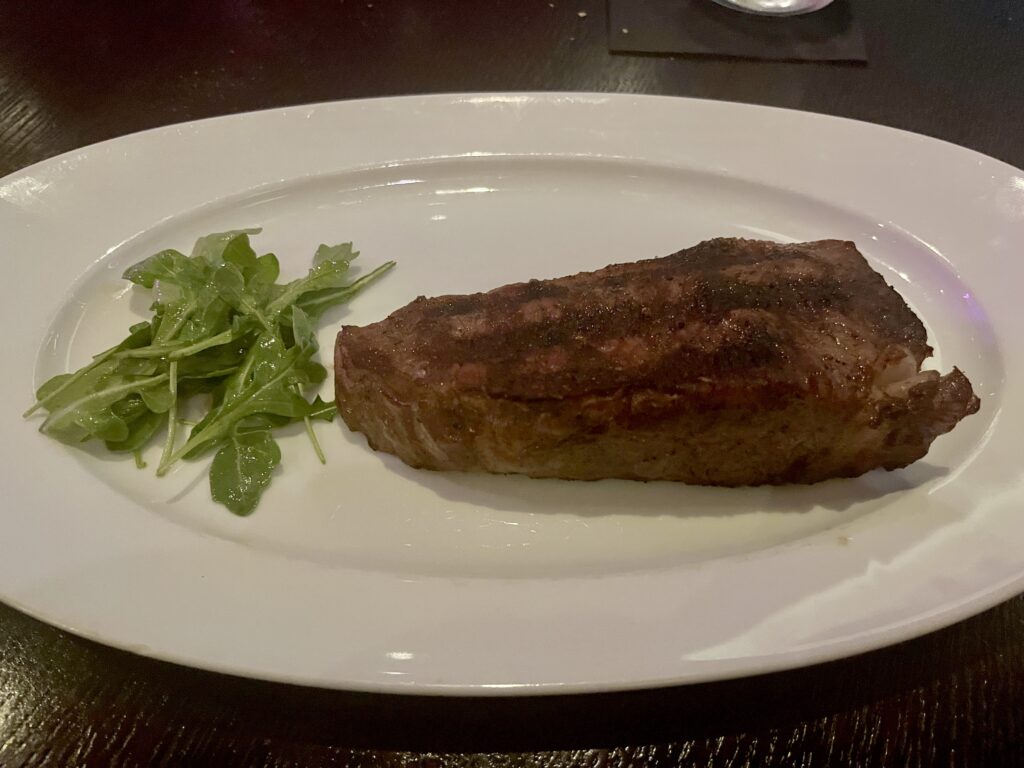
[[735, 362]]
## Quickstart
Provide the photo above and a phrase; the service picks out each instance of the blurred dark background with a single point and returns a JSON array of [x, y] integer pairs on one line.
[[75, 73]]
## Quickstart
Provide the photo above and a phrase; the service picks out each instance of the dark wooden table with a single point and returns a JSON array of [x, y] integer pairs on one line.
[[75, 74]]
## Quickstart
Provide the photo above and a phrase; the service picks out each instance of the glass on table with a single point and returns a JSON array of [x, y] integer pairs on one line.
[[775, 7]]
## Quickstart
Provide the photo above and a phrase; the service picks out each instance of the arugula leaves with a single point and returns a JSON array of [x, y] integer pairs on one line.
[[242, 468], [222, 329]]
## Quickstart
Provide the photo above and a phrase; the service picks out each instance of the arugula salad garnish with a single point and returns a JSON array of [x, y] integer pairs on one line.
[[223, 331]]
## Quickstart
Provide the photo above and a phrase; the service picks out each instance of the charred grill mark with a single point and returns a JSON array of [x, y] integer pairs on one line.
[[714, 254], [895, 324], [723, 308], [716, 294], [540, 289], [447, 306], [745, 348], [501, 300], [603, 318], [592, 321]]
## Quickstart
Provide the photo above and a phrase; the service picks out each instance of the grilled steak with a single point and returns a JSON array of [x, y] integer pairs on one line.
[[736, 362]]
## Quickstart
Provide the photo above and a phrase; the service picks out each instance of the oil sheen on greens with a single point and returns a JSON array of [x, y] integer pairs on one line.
[[225, 331]]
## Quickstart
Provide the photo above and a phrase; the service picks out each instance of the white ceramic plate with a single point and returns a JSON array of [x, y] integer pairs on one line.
[[369, 575]]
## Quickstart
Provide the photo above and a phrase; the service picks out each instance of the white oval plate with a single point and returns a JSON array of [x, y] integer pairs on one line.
[[369, 575]]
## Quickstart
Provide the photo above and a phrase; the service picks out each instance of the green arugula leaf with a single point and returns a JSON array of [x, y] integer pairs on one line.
[[242, 468], [261, 385], [141, 366], [158, 399], [239, 253], [65, 387], [322, 410], [102, 423], [210, 248], [81, 411], [315, 303], [308, 372], [140, 432], [53, 386], [174, 317], [303, 333], [130, 408], [230, 284], [340, 252], [168, 266], [330, 266], [211, 319], [318, 410], [260, 281]]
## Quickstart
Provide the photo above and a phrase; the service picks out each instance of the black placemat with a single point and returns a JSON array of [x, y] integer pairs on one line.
[[703, 27]]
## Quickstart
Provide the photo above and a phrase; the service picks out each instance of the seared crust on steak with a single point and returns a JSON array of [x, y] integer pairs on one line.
[[735, 362]]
